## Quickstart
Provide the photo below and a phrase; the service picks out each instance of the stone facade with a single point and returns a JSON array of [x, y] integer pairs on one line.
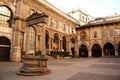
[[81, 16], [99, 39], [59, 29], [17, 38]]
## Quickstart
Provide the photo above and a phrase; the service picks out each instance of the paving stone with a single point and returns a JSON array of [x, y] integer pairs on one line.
[[89, 76], [106, 66], [68, 69]]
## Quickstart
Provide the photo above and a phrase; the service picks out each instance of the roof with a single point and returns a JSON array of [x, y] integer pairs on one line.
[[98, 24], [49, 5]]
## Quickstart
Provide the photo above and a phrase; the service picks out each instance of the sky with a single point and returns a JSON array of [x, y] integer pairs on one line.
[[95, 8]]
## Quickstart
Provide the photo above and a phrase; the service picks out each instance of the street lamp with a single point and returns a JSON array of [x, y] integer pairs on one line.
[[36, 65]]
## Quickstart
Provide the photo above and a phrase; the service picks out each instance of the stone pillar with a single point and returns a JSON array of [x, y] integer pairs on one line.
[[76, 51], [16, 55], [39, 40], [61, 44], [89, 53], [51, 44], [67, 44], [70, 48], [116, 53], [43, 40], [103, 53]]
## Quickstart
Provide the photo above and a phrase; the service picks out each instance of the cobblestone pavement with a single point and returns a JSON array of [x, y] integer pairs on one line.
[[69, 69]]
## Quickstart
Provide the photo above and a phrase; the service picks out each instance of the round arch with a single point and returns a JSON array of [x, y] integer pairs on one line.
[[56, 42], [83, 51], [109, 49], [72, 40], [8, 17], [5, 45], [118, 49], [73, 47], [64, 43], [47, 39], [8, 8], [96, 50]]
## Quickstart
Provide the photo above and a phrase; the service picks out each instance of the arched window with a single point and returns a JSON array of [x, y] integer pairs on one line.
[[32, 38], [73, 40], [96, 50], [47, 39], [83, 35], [64, 43], [95, 34], [64, 27], [5, 16], [56, 41]]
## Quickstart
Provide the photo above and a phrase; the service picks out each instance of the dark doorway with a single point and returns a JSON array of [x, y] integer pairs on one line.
[[47, 39], [64, 43], [109, 49], [56, 42], [4, 49], [119, 49], [83, 51], [73, 52], [96, 51]]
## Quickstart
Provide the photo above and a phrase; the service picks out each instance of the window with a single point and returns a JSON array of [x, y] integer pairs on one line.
[[111, 33], [104, 32], [83, 35], [117, 32], [73, 40], [95, 34], [80, 16], [64, 27], [5, 15], [83, 18], [47, 21], [86, 19], [72, 30], [21, 40], [32, 38], [56, 24]]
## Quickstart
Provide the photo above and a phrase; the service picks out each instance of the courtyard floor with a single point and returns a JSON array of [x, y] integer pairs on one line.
[[68, 69]]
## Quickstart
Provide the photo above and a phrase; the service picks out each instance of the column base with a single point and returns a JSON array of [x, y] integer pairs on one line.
[[15, 57]]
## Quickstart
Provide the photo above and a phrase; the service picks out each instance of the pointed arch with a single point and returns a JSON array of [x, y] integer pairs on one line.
[[83, 51], [47, 39], [56, 42], [96, 50], [109, 49], [118, 48], [72, 40], [64, 47]]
